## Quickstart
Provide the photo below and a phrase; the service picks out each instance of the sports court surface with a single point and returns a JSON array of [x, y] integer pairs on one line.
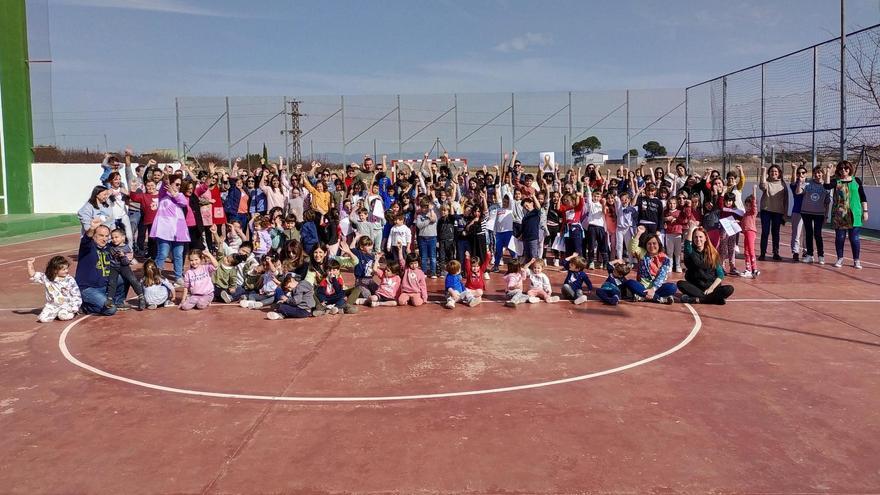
[[776, 392]]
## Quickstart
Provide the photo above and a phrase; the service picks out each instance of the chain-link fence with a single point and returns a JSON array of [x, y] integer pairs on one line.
[[789, 109], [477, 126]]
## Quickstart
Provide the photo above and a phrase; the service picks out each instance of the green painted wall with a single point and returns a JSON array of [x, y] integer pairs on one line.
[[15, 93]]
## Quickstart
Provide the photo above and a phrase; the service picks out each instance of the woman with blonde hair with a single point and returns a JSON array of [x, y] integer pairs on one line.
[[703, 270]]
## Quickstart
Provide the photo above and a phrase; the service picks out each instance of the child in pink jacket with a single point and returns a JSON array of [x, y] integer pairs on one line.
[[413, 288]]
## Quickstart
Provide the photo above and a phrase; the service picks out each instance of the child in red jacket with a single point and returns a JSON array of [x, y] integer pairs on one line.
[[474, 268]]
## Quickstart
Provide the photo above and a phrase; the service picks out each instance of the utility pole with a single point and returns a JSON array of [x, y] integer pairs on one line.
[[295, 131]]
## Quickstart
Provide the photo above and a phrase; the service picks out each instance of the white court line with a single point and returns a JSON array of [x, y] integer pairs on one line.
[[62, 344], [37, 240], [38, 256]]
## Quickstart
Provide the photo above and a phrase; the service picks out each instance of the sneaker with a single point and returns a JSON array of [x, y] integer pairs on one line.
[[553, 299], [534, 299], [486, 276], [179, 283], [795, 257], [511, 303], [838, 263], [734, 272], [360, 301], [169, 303], [108, 303], [756, 273], [475, 302], [152, 306], [686, 299], [271, 315], [319, 312], [762, 258], [450, 304], [123, 307], [746, 274], [433, 276], [332, 310], [495, 269], [665, 300], [857, 265], [821, 260], [555, 261], [142, 303], [226, 296], [245, 303], [807, 259], [776, 257], [580, 300], [678, 270], [349, 309], [256, 305], [591, 266], [638, 298]]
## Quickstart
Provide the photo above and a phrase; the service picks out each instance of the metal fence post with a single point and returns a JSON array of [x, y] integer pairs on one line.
[[512, 120], [342, 110], [687, 135], [842, 80], [724, 122], [286, 130], [763, 154], [229, 137], [399, 132], [627, 130], [177, 124], [569, 157], [813, 150]]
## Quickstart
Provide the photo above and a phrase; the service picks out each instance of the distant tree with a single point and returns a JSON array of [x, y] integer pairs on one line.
[[265, 154], [653, 148], [632, 153], [585, 146]]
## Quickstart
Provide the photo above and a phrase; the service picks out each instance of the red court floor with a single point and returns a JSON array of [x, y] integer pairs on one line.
[[776, 392]]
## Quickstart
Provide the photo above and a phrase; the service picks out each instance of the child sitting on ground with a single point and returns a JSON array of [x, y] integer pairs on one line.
[[158, 291], [299, 301], [63, 297], [388, 289], [614, 287], [474, 273], [121, 257], [330, 291], [575, 279], [455, 288], [539, 282], [198, 290], [514, 278], [413, 284], [268, 284]]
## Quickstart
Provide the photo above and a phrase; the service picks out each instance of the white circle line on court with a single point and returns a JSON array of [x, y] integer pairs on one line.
[[780, 300], [71, 251], [62, 344]]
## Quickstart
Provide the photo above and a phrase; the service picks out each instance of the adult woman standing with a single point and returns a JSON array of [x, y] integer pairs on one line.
[[848, 212], [704, 273], [194, 222], [814, 209], [774, 206], [236, 202], [169, 227]]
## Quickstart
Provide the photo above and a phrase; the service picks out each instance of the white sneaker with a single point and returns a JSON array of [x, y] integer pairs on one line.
[[591, 266], [838, 263], [534, 299], [580, 300], [857, 265], [450, 304], [553, 299], [807, 259], [821, 260], [666, 300], [486, 275], [332, 310], [271, 315], [360, 301], [256, 305], [245, 303], [555, 261], [474, 302], [638, 298], [756, 273], [746, 274]]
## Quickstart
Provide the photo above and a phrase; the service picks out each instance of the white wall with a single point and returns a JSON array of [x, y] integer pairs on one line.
[[65, 187]]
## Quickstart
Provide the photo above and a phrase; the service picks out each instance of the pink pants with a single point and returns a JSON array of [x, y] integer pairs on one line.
[[197, 301], [538, 293], [749, 249], [414, 299]]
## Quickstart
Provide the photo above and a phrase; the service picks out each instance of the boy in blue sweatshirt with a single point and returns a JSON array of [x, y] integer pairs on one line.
[[576, 279], [613, 289]]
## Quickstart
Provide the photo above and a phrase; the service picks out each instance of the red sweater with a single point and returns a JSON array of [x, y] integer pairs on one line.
[[474, 275], [149, 205]]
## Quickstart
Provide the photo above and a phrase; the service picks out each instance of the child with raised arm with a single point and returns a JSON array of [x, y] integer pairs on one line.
[[399, 240], [198, 290], [539, 282], [413, 286], [748, 224], [614, 287], [576, 279], [514, 280], [389, 285], [63, 297]]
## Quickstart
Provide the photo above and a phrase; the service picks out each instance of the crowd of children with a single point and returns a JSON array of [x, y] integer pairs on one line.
[[280, 237]]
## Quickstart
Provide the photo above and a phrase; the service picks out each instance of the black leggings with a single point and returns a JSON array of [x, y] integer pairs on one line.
[[813, 228], [770, 223], [718, 296], [597, 243]]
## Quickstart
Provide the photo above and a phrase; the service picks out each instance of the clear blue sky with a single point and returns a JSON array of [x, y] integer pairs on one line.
[[130, 58]]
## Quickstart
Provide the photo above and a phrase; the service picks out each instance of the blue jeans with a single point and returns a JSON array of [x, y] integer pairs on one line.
[[134, 218], [428, 251], [176, 249], [502, 239], [855, 242], [665, 290], [95, 297]]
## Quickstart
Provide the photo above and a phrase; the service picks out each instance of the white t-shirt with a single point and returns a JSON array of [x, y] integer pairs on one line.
[[538, 280]]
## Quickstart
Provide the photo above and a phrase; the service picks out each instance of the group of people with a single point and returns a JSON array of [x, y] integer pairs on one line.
[[280, 237]]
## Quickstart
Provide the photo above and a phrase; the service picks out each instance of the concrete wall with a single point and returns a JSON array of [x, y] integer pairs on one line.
[[64, 187]]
